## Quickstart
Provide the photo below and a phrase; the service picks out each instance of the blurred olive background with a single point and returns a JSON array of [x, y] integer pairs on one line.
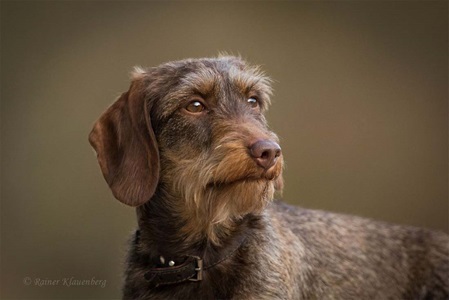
[[360, 105]]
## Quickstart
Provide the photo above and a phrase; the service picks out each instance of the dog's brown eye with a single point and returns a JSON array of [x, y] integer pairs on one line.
[[253, 102], [195, 107]]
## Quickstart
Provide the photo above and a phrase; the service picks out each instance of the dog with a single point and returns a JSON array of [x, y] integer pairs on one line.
[[189, 146]]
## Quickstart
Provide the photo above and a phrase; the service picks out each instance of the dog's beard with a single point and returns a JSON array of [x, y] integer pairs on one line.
[[235, 200], [210, 211]]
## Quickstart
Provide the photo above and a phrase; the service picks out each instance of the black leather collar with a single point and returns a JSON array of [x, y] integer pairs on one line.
[[191, 268]]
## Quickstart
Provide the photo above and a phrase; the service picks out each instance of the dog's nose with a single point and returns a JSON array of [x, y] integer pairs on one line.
[[265, 153]]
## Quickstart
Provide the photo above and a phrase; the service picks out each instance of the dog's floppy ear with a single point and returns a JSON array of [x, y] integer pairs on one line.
[[126, 147]]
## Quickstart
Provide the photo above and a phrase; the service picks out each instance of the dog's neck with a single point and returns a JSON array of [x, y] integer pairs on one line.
[[165, 230]]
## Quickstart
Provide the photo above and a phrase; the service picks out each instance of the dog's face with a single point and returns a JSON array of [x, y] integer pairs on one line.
[[193, 129]]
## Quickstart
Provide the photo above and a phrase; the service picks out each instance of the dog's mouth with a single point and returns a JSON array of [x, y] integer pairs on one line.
[[264, 179]]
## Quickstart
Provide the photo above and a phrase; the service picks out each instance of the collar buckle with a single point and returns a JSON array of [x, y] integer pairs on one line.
[[198, 269]]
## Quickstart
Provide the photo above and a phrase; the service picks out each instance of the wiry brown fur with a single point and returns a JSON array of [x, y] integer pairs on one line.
[[199, 190]]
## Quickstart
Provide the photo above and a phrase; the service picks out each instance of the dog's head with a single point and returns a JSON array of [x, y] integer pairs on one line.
[[195, 129]]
